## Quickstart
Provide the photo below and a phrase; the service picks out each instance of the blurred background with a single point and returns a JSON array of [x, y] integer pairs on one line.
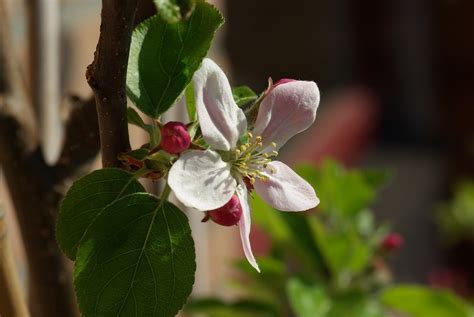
[[396, 81]]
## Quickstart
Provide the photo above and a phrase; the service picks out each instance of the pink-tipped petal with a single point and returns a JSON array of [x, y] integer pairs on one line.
[[245, 225], [201, 180], [283, 81], [288, 109], [285, 190], [222, 121]]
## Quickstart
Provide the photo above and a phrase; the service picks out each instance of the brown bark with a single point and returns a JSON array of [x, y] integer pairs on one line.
[[107, 75], [33, 187], [36, 188]]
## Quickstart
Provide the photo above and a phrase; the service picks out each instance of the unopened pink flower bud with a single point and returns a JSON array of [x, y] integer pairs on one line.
[[283, 81], [229, 214], [174, 137], [392, 242]]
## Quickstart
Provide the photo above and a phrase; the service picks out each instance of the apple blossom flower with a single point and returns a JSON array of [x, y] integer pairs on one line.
[[208, 179]]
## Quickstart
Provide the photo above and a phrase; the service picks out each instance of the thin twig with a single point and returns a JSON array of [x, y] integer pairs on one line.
[[107, 74]]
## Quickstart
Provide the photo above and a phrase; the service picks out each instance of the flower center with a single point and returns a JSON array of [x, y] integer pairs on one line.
[[251, 159]]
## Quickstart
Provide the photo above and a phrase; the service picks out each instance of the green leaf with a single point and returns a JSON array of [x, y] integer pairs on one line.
[[217, 307], [173, 11], [190, 102], [85, 200], [134, 118], [164, 57], [345, 253], [138, 154], [137, 259], [243, 95], [267, 286], [270, 220], [418, 301], [456, 218], [289, 231], [356, 304], [342, 192], [308, 301]]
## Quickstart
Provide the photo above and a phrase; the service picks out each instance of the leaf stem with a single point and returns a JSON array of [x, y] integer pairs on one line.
[[166, 192], [141, 172]]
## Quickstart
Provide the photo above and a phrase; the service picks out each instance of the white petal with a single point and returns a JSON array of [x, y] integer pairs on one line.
[[288, 109], [201, 180], [245, 225], [285, 190], [222, 121]]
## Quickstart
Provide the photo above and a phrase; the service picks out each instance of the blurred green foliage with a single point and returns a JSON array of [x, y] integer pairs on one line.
[[456, 218], [328, 262]]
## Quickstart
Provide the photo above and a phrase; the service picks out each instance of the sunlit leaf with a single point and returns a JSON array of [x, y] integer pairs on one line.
[[308, 301], [345, 253], [164, 57], [341, 191], [418, 301], [173, 11]]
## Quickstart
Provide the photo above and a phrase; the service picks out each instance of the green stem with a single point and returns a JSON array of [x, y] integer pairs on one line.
[[166, 192], [141, 172], [155, 135]]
